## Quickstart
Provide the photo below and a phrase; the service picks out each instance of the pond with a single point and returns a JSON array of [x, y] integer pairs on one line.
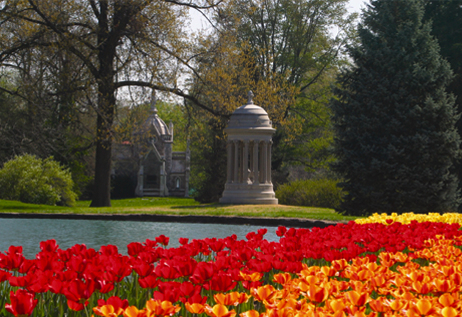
[[95, 233]]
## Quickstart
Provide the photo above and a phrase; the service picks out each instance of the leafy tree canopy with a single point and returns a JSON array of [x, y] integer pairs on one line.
[[108, 45], [396, 139]]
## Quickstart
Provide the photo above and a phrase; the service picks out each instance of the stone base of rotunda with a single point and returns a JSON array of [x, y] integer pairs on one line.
[[243, 194]]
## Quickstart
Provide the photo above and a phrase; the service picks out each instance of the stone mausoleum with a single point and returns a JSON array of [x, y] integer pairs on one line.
[[250, 134], [158, 170]]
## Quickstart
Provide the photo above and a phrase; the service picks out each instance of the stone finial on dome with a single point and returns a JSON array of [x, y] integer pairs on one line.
[[153, 102], [250, 96]]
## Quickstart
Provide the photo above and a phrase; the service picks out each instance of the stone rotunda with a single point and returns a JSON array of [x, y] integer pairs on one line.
[[249, 157]]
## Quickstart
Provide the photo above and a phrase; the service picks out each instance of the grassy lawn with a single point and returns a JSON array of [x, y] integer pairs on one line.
[[178, 206]]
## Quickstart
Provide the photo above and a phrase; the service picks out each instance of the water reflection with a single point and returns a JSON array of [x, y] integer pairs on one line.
[[94, 233]]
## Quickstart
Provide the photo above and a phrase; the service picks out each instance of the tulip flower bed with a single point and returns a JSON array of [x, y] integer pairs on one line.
[[410, 216], [372, 269]]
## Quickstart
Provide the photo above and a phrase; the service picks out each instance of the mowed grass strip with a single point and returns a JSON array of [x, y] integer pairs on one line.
[[179, 206]]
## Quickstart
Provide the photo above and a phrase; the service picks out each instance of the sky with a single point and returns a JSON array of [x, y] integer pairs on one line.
[[356, 5]]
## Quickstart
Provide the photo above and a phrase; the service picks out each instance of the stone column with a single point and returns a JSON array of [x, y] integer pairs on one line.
[[264, 168], [256, 144], [229, 170], [268, 162], [236, 162], [245, 163]]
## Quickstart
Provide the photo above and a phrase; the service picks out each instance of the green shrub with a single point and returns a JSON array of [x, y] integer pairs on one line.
[[312, 193], [32, 180]]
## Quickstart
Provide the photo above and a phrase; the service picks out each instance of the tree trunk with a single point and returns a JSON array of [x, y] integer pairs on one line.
[[107, 43], [103, 160], [102, 189]]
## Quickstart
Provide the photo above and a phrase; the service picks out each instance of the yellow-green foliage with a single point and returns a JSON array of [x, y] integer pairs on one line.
[[312, 193], [32, 180], [410, 216]]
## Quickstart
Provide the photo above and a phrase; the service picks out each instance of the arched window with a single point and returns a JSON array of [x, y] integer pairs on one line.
[[177, 183]]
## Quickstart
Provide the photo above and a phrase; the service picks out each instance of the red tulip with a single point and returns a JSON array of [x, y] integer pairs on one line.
[[215, 244], [13, 259], [150, 244], [163, 240], [47, 261], [49, 246], [4, 275], [109, 250], [166, 270], [135, 248], [221, 283], [141, 267], [117, 268], [21, 281], [77, 263], [118, 304], [77, 292], [203, 272], [185, 267], [149, 281], [187, 289], [281, 231], [168, 291], [22, 303]]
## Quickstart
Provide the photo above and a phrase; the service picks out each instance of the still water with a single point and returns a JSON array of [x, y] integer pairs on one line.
[[95, 233]]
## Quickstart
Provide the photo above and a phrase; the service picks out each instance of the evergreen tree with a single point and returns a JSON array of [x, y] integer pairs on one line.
[[446, 17], [396, 140]]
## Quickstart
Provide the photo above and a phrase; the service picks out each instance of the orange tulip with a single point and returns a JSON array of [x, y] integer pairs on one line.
[[105, 310], [317, 294], [309, 279], [359, 286], [364, 275], [264, 293], [357, 298], [444, 285], [447, 270], [161, 308], [250, 313], [328, 271], [233, 298], [421, 288], [401, 257], [339, 265], [378, 305], [446, 300], [403, 294], [337, 305], [373, 267], [282, 278], [253, 277], [360, 261], [423, 307], [449, 312], [219, 310], [378, 281], [284, 312], [286, 303], [133, 311], [386, 259], [398, 281], [397, 304], [195, 308]]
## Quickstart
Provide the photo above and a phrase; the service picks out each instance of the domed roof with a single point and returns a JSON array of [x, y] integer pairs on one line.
[[155, 121], [249, 116]]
